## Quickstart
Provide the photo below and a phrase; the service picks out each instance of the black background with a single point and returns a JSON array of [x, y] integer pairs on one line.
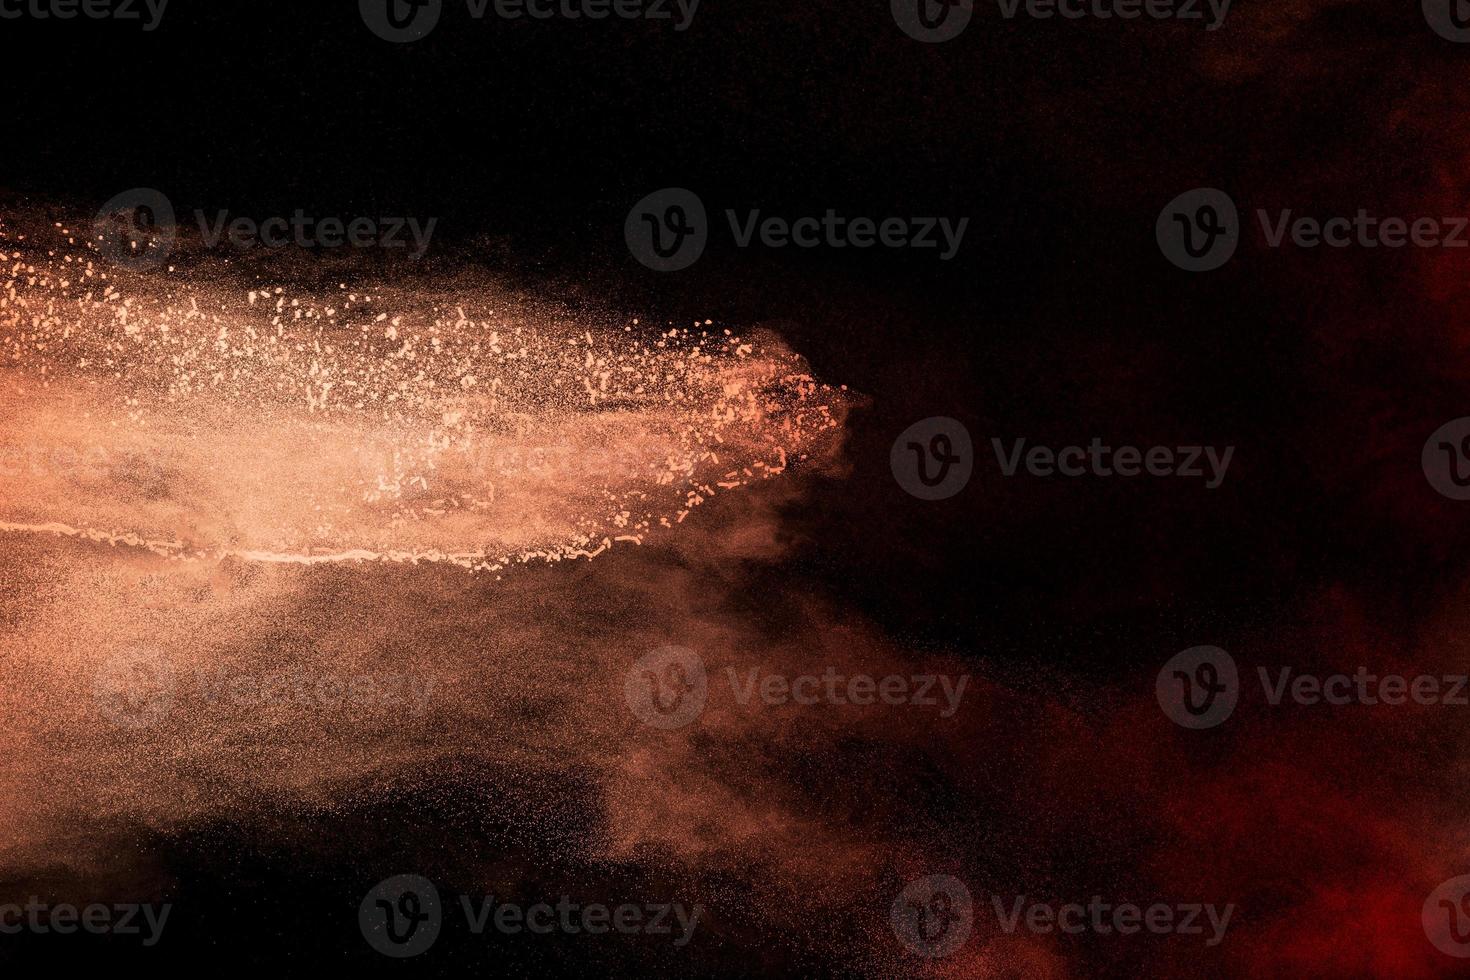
[[1058, 321]]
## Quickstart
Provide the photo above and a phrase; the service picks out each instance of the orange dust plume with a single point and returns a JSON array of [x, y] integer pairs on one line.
[[200, 412]]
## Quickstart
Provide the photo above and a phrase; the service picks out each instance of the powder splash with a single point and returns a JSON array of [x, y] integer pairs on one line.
[[197, 416]]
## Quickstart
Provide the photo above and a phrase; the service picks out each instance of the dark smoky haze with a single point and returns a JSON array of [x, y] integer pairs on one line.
[[367, 600]]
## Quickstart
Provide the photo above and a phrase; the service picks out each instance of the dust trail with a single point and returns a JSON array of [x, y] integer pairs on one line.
[[201, 417]]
